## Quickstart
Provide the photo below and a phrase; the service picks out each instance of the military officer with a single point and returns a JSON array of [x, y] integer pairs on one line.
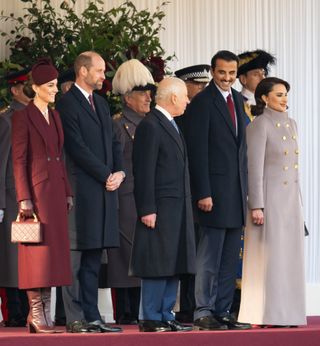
[[196, 77], [134, 82], [253, 67], [17, 300]]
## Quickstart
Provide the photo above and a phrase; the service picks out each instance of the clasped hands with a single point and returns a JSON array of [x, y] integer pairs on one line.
[[114, 181]]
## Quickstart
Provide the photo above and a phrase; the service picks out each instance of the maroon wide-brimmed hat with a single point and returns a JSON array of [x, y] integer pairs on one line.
[[43, 71]]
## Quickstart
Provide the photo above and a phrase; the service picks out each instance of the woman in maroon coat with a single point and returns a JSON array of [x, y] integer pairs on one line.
[[42, 187]]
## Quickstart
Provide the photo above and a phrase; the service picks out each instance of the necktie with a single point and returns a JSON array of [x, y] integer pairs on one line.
[[231, 110], [175, 125], [91, 102]]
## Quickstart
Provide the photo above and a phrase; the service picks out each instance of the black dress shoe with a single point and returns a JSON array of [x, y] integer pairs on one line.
[[80, 327], [153, 326], [104, 327], [127, 321], [208, 323], [232, 323], [178, 327], [276, 326], [16, 322], [184, 317], [60, 321]]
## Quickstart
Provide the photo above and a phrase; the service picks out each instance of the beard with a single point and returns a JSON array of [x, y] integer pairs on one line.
[[97, 85]]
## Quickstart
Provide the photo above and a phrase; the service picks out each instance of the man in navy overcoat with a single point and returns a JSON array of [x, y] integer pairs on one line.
[[216, 142]]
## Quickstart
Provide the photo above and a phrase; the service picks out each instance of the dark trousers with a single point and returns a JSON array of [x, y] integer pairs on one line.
[[126, 303], [187, 301], [60, 314], [158, 297], [17, 303], [187, 282], [81, 298], [216, 268]]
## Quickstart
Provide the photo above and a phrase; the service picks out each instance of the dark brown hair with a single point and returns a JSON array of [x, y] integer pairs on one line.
[[263, 88]]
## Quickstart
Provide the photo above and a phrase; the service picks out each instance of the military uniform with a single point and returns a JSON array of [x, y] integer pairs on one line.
[[194, 76], [17, 300], [127, 289], [249, 100], [125, 125], [8, 250]]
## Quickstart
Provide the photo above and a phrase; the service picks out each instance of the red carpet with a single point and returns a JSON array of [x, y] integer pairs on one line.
[[302, 336]]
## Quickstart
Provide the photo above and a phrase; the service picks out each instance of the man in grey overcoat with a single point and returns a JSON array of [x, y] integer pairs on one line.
[[164, 244], [17, 300]]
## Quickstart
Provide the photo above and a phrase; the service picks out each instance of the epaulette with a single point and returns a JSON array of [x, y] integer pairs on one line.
[[4, 110], [117, 116], [247, 109], [130, 129]]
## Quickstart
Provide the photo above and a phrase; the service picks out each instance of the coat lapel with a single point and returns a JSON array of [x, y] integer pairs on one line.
[[57, 121], [131, 120], [85, 103], [223, 108], [170, 129], [105, 124], [35, 117], [238, 103]]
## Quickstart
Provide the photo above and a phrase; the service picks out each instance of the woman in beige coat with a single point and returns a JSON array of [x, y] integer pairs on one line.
[[273, 284]]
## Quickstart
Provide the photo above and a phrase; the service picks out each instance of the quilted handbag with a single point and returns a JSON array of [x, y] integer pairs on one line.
[[26, 231]]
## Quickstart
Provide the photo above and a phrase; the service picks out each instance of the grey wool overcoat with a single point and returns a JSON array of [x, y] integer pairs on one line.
[[273, 282]]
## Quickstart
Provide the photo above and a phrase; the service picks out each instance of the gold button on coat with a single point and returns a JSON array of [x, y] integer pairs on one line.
[[284, 138]]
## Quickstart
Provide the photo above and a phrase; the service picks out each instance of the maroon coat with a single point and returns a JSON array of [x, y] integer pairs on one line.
[[41, 177]]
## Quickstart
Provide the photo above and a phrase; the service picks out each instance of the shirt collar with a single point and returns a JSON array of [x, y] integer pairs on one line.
[[85, 93], [165, 112], [249, 95], [223, 92]]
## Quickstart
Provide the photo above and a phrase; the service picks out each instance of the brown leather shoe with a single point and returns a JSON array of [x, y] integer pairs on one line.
[[36, 321]]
